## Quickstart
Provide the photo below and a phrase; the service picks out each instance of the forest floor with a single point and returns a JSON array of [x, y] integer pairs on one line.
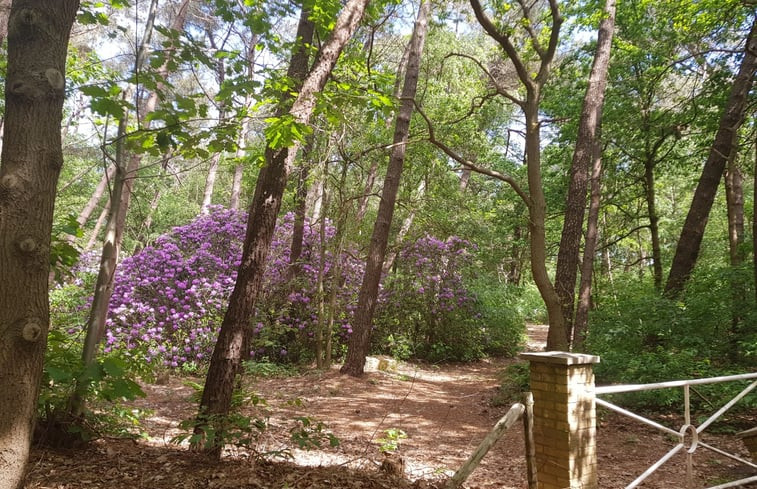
[[445, 412]]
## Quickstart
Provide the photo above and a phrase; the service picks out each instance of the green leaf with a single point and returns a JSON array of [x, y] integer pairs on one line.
[[107, 107]]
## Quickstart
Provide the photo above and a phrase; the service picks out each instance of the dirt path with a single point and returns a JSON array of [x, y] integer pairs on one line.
[[444, 412]]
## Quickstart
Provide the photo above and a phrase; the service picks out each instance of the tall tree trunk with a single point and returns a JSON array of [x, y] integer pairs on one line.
[[98, 312], [97, 195], [233, 337], [734, 191], [537, 207], [300, 210], [585, 151], [690, 240], [29, 169], [98, 226], [120, 202], [654, 220], [734, 186], [581, 324], [210, 183], [359, 342]]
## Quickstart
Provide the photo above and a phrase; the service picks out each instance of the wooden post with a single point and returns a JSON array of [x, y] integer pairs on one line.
[[564, 420], [495, 434], [528, 434]]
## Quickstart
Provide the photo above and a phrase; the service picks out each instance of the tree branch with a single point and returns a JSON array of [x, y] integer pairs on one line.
[[554, 37], [504, 41], [469, 164], [528, 26], [499, 88]]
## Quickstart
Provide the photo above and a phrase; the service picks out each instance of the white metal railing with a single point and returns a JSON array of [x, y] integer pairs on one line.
[[688, 435]]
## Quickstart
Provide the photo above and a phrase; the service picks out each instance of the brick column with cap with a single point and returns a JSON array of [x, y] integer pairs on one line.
[[564, 419]]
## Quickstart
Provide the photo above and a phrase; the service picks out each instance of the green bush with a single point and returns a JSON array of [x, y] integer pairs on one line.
[[643, 337], [504, 328], [109, 380]]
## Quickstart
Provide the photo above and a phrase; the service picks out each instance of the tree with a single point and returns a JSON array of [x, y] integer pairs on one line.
[[233, 337], [533, 80], [724, 144], [38, 33], [586, 151], [359, 343], [120, 201]]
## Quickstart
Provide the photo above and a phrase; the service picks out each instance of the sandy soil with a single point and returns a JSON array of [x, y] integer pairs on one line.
[[444, 411]]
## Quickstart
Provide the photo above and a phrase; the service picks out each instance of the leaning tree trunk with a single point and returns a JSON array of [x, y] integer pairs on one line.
[[29, 170], [360, 339], [690, 240], [98, 311], [233, 337], [581, 324], [532, 80], [120, 202], [585, 151], [96, 196]]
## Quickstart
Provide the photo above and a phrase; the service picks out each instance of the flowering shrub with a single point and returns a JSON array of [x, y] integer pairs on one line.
[[169, 299], [426, 310], [429, 309], [287, 316]]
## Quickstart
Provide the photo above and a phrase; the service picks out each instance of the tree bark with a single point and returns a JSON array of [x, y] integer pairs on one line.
[[581, 325], [359, 341], [38, 33], [98, 312], [734, 190], [5, 10], [690, 240], [585, 151], [97, 196], [534, 198], [233, 337]]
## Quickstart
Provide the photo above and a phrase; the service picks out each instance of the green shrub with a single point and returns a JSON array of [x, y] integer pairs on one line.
[[643, 337], [109, 381], [514, 380]]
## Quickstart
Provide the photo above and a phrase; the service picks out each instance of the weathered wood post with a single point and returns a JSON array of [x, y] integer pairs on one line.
[[564, 419]]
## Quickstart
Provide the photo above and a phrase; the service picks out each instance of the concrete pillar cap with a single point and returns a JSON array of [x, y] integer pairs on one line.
[[560, 358]]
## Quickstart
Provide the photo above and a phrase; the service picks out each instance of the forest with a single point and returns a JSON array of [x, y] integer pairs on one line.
[[222, 193]]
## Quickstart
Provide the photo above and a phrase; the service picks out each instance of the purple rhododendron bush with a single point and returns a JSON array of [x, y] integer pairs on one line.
[[169, 299]]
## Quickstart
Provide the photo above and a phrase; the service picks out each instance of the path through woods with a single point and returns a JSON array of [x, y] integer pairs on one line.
[[444, 410]]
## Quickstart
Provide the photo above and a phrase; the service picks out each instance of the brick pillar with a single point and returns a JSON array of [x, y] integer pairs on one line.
[[564, 419]]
